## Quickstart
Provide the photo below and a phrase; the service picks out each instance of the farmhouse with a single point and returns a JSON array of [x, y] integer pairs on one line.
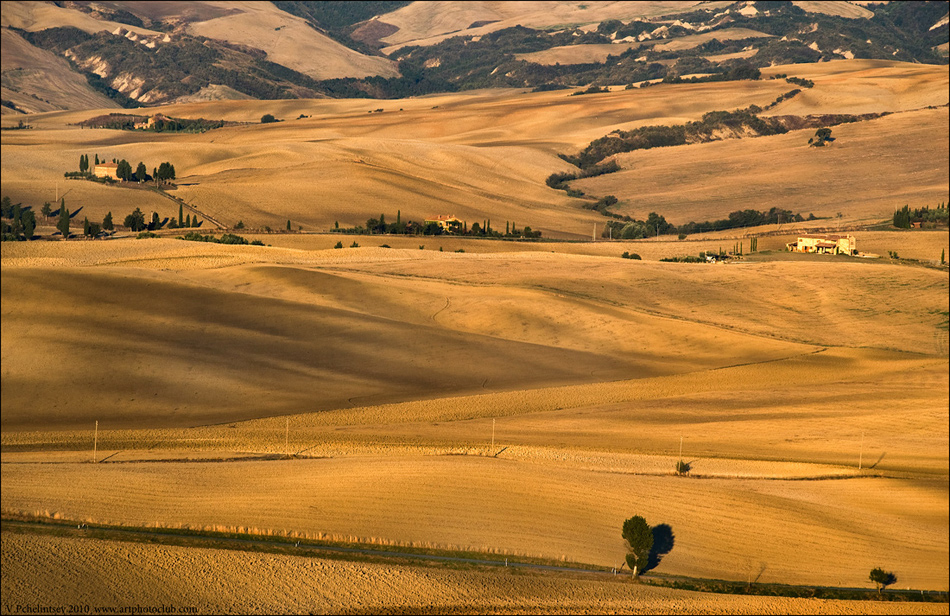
[[448, 223], [106, 170], [151, 121], [824, 244]]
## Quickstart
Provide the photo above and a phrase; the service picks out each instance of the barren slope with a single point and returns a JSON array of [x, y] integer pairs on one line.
[[427, 23], [580, 54], [35, 16], [289, 41], [36, 80]]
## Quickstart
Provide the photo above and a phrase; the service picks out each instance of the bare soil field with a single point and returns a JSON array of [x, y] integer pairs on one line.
[[232, 582]]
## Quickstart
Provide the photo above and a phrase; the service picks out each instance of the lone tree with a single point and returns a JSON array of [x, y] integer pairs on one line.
[[639, 537], [882, 578], [268, 119]]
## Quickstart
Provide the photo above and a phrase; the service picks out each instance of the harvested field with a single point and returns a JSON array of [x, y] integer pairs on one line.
[[873, 87], [450, 154], [523, 509], [761, 397], [544, 319], [862, 176], [515, 398], [219, 581]]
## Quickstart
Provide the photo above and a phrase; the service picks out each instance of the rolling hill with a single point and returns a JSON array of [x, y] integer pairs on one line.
[[138, 54]]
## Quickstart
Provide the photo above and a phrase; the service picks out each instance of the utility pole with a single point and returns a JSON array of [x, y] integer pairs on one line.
[[493, 434], [593, 235], [95, 443], [681, 448]]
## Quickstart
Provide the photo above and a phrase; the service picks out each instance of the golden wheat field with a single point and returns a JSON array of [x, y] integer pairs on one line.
[[516, 398]]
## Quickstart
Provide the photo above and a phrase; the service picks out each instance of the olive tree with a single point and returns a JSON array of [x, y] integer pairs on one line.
[[882, 578]]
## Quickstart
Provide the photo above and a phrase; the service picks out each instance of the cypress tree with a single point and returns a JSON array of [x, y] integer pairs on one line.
[[63, 224], [107, 222], [28, 221], [181, 216], [85, 226], [288, 224], [47, 210], [187, 221], [943, 256]]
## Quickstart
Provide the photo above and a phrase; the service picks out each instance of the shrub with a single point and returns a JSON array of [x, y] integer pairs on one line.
[[268, 119]]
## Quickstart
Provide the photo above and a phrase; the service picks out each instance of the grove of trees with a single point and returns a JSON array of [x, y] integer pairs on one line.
[[161, 174], [379, 226], [927, 217], [22, 221]]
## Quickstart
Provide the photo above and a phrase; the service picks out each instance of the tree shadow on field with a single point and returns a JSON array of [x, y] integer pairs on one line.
[[878, 461], [663, 540]]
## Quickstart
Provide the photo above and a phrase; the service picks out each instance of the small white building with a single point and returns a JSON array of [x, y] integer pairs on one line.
[[824, 244]]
